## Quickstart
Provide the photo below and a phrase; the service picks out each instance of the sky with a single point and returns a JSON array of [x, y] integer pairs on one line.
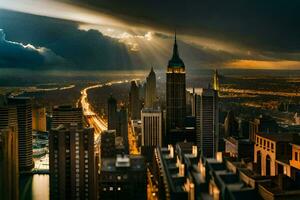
[[134, 34]]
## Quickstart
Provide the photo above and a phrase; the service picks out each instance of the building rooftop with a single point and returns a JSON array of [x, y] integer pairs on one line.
[[122, 161], [130, 162], [239, 140], [3, 100], [66, 107], [151, 110], [280, 137], [280, 186]]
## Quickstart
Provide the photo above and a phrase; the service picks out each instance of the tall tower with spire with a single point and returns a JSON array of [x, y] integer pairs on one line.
[[216, 81], [175, 92]]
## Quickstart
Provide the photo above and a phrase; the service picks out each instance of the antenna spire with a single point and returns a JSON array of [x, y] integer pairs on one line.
[[175, 37]]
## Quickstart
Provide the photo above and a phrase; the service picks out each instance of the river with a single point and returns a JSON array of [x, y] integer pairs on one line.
[[34, 187]]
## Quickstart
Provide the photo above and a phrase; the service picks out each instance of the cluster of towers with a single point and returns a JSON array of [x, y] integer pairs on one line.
[[205, 109], [169, 122]]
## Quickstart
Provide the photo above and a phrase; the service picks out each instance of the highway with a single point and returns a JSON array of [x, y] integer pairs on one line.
[[97, 122], [92, 118]]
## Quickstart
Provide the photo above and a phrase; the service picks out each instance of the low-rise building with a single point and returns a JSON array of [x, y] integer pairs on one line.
[[295, 161], [272, 153]]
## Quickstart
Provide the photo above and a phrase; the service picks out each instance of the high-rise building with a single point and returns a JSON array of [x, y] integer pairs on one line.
[[216, 84], [39, 119], [175, 92], [135, 107], [9, 167], [150, 89], [108, 146], [8, 114], [72, 162], [9, 160], [122, 126], [24, 118], [207, 114], [231, 125], [67, 115], [112, 113], [151, 127], [142, 91], [151, 131]]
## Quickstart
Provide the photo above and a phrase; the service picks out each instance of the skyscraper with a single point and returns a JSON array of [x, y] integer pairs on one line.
[[9, 161], [150, 89], [112, 113], [216, 84], [24, 118], [135, 107], [39, 119], [231, 125], [122, 126], [72, 162], [67, 115], [207, 126], [151, 127], [175, 92], [107, 148]]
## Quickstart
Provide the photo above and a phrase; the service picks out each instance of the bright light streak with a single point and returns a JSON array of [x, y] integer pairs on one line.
[[263, 64], [59, 10], [134, 37], [93, 119], [88, 19]]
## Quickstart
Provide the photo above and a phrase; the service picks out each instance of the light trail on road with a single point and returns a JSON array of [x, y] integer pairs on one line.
[[97, 122], [93, 119]]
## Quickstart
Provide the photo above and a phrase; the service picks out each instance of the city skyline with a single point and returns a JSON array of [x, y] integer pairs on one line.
[[149, 100]]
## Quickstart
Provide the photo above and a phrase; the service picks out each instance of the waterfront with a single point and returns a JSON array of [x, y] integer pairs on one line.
[[34, 187]]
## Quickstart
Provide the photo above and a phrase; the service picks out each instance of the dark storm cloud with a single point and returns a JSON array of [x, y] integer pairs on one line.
[[18, 55], [270, 25], [80, 49], [90, 50]]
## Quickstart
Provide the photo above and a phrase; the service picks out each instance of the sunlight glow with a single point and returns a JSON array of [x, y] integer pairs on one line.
[[263, 64], [59, 10], [128, 37]]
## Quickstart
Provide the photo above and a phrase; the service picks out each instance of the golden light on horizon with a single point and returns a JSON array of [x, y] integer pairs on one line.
[[263, 64]]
